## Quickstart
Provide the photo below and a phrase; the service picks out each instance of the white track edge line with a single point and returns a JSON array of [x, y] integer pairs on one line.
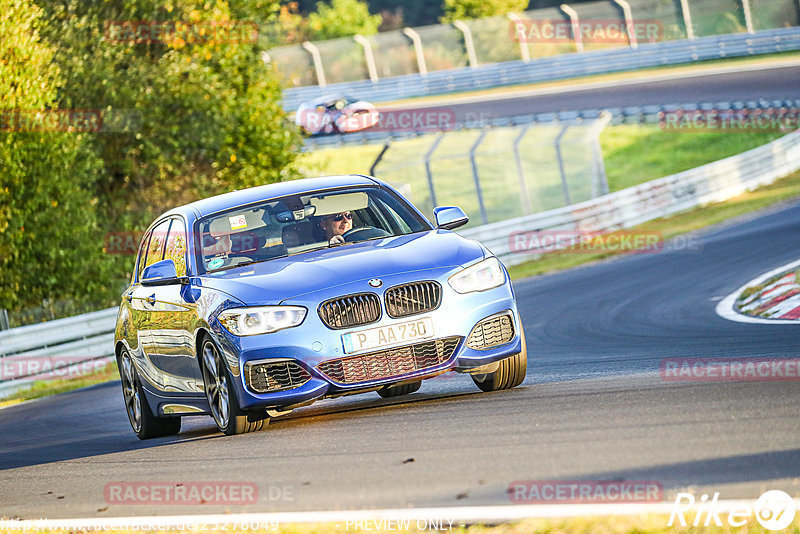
[[725, 306], [459, 514]]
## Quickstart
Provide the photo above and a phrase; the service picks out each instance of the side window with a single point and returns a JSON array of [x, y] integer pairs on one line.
[[139, 266], [155, 248], [176, 246]]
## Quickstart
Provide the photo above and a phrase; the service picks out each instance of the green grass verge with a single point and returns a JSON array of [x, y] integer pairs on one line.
[[635, 154], [632, 524], [632, 154], [43, 388]]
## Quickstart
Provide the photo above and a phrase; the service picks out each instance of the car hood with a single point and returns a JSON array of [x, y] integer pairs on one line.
[[276, 280]]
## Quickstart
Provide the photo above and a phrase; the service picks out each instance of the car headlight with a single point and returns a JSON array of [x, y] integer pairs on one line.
[[261, 320], [483, 275]]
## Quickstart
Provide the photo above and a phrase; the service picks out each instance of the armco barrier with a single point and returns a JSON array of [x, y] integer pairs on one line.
[[714, 182], [556, 67], [83, 338]]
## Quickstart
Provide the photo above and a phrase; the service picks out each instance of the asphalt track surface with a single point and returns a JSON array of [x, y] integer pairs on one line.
[[778, 83], [592, 407]]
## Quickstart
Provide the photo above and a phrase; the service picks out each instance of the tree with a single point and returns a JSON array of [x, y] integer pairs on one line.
[[201, 110], [475, 9], [50, 244], [342, 18]]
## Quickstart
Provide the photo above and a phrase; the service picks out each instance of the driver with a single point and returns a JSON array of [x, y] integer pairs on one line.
[[335, 225]]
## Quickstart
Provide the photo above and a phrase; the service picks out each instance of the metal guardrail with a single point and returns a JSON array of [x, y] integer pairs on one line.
[[627, 115], [556, 67], [60, 344], [522, 35], [714, 182]]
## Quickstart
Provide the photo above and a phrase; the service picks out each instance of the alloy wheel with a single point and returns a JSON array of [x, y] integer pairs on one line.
[[130, 393], [216, 384]]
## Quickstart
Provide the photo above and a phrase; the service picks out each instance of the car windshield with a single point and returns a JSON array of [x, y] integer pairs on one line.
[[301, 223]]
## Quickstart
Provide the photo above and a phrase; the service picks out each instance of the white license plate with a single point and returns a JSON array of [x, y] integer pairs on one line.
[[384, 336]]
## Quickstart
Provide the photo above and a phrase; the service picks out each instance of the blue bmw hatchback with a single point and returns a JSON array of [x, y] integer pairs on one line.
[[247, 305]]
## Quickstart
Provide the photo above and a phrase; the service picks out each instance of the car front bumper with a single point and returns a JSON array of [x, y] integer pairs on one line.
[[313, 343]]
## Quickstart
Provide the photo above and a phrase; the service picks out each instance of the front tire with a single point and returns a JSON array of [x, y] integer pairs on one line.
[[230, 419], [510, 373], [396, 391], [144, 423]]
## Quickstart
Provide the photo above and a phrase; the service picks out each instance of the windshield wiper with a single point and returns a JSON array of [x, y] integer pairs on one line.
[[229, 267]]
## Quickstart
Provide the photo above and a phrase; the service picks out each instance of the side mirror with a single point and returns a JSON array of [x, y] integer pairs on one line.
[[449, 217], [161, 273]]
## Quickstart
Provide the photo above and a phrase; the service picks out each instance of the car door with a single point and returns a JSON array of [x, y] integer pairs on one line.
[[172, 319], [132, 309], [143, 300]]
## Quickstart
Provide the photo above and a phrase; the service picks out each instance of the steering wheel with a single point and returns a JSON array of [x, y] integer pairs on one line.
[[364, 232]]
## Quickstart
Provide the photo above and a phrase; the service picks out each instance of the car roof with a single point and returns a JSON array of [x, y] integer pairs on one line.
[[224, 201]]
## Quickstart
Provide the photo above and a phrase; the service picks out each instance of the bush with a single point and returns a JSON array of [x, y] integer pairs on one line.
[[48, 226], [203, 111]]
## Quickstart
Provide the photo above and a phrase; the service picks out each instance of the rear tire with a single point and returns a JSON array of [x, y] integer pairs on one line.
[[217, 382], [510, 373], [144, 423], [396, 391]]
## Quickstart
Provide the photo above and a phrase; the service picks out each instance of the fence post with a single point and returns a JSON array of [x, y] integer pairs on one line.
[[478, 191], [386, 146], [418, 50], [687, 19], [428, 171], [524, 53], [748, 16], [317, 58], [576, 26], [524, 196], [561, 169], [600, 180], [4, 319], [468, 42], [629, 28], [369, 56]]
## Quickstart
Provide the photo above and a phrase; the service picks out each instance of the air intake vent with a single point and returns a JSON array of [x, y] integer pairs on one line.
[[390, 363], [491, 332], [352, 310], [269, 376], [412, 299]]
